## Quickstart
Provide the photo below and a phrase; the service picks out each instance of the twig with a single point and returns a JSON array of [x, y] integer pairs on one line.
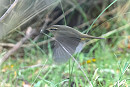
[[62, 16], [7, 44], [105, 14], [73, 8], [26, 45], [9, 10], [47, 20], [66, 13], [100, 15], [33, 66], [17, 46]]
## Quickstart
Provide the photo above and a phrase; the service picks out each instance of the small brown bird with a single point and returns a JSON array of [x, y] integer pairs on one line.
[[68, 41]]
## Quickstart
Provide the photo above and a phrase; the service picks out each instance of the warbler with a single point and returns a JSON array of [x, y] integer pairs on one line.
[[68, 41]]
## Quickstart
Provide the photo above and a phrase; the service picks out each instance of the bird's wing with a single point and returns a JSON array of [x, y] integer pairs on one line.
[[64, 47], [59, 53]]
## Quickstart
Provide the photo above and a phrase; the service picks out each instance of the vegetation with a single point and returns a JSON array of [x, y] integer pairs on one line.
[[105, 62]]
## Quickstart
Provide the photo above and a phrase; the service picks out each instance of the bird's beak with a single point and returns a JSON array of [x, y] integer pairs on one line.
[[43, 31]]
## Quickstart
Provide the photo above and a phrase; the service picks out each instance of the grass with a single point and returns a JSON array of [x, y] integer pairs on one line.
[[111, 67], [105, 62]]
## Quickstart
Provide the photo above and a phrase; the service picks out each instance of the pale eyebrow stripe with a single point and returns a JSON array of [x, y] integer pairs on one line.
[[53, 28]]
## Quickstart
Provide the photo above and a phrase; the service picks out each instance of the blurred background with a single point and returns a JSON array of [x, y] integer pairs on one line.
[[26, 58]]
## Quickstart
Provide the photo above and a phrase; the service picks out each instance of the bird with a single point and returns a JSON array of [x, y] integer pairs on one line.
[[68, 41]]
